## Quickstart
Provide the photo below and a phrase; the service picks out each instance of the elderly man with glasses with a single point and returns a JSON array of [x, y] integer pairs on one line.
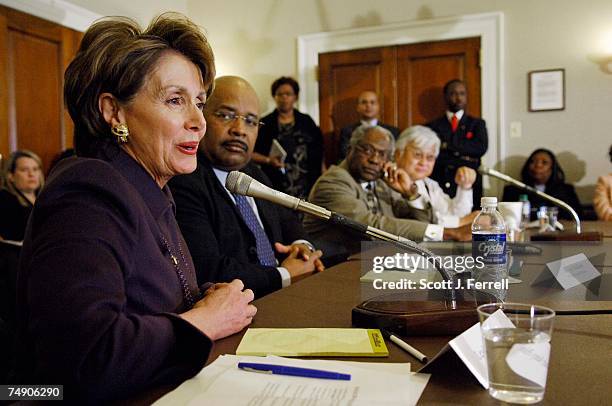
[[368, 188], [232, 236]]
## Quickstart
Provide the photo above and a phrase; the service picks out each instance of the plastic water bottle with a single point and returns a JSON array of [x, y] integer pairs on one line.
[[526, 213], [525, 216], [489, 243]]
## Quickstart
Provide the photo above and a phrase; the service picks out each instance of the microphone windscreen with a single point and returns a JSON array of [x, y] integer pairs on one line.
[[238, 182]]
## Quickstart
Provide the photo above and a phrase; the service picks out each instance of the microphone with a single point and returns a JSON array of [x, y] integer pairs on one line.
[[483, 170], [392, 311], [243, 184]]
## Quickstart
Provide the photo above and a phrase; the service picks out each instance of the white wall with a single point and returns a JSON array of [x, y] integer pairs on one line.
[[257, 40], [141, 10]]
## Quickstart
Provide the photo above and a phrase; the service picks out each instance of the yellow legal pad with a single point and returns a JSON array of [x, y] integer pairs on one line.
[[313, 342]]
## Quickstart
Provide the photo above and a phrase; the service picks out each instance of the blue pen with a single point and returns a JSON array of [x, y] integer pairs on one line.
[[292, 371]]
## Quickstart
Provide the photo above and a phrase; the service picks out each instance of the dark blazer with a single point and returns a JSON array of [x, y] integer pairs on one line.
[[222, 246], [347, 132], [561, 191], [98, 295], [306, 125], [13, 216], [463, 148]]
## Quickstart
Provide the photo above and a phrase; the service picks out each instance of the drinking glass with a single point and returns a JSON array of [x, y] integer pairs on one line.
[[517, 348]]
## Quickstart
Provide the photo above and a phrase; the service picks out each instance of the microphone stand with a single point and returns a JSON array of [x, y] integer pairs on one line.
[[377, 234]]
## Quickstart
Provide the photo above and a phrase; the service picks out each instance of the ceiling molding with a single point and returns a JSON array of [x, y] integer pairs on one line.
[[57, 11]]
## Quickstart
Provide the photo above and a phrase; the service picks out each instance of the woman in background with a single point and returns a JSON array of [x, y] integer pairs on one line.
[[602, 200], [416, 151], [543, 172], [23, 179], [299, 136], [107, 299]]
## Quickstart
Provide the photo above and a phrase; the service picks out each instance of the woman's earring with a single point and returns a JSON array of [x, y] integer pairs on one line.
[[122, 133]]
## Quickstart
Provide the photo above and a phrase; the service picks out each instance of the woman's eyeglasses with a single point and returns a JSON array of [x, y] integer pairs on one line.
[[228, 116], [420, 155]]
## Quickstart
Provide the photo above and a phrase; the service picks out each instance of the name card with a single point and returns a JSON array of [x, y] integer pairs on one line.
[[529, 360], [469, 346], [573, 271]]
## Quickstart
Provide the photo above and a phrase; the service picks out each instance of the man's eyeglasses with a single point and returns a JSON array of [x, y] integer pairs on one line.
[[372, 152], [230, 116]]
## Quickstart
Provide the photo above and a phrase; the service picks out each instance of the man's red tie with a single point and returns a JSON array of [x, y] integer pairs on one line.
[[454, 123]]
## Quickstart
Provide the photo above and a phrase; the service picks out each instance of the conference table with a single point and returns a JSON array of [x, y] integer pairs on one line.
[[580, 367]]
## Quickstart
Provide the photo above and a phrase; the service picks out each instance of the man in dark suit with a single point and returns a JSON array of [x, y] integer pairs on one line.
[[463, 139], [232, 236], [368, 109]]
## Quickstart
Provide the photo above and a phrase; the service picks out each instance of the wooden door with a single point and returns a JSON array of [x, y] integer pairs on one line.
[[342, 77], [422, 71], [408, 79], [34, 54]]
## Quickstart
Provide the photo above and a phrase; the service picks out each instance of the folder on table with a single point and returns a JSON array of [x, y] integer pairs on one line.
[[313, 342]]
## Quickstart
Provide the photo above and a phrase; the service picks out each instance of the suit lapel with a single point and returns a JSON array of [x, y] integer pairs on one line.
[[221, 191]]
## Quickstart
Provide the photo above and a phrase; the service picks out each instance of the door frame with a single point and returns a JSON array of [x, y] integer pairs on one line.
[[488, 26]]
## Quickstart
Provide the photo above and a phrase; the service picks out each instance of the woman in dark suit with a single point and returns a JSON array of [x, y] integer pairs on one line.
[[108, 304], [23, 181], [299, 136], [543, 172]]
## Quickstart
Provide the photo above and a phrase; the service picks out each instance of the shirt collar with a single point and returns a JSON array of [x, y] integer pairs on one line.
[[221, 175], [449, 114], [371, 122], [365, 185]]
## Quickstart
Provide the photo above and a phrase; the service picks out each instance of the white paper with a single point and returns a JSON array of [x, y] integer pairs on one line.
[[371, 383], [498, 320], [277, 150], [573, 271], [513, 281], [470, 349], [530, 360], [469, 346]]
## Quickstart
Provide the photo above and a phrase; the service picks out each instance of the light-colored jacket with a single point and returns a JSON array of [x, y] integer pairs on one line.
[[338, 191], [602, 200]]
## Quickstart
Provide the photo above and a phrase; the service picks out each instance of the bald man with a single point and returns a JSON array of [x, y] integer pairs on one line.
[[231, 236], [368, 109]]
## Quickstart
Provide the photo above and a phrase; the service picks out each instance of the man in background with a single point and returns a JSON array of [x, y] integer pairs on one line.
[[463, 141], [368, 109], [232, 236]]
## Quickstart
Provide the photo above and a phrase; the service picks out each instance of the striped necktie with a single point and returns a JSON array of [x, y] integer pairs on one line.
[[372, 199], [264, 248]]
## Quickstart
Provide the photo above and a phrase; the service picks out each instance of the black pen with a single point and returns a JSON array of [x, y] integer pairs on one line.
[[405, 346]]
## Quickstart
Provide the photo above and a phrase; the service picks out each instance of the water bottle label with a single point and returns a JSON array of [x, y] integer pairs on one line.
[[491, 247]]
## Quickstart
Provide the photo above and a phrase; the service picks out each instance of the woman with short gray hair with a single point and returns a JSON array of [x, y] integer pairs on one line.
[[416, 151]]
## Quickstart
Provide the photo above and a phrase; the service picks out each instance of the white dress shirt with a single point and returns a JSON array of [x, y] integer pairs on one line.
[[371, 123], [447, 212], [450, 114]]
